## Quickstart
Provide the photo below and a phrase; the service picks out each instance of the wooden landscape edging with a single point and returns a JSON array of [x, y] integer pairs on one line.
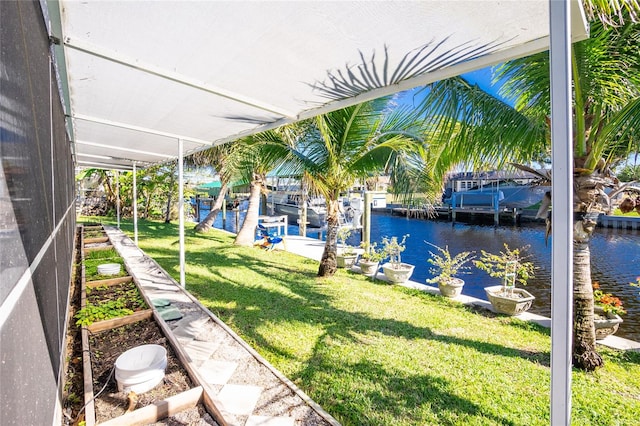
[[110, 282], [89, 407], [160, 409], [96, 248], [95, 240], [120, 321]]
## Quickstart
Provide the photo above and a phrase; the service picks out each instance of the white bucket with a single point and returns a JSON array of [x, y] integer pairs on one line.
[[140, 369], [109, 269]]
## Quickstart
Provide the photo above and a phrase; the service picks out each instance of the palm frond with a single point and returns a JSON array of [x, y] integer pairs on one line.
[[468, 124], [365, 76], [613, 13]]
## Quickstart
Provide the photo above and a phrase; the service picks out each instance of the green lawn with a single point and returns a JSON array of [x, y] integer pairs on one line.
[[617, 212], [376, 354]]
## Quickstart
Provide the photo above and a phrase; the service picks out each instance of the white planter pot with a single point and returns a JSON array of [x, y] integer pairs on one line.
[[517, 302], [605, 324], [451, 288], [399, 275], [346, 260], [368, 268]]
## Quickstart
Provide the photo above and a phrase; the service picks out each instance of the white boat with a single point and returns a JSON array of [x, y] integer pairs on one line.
[[289, 203], [508, 194]]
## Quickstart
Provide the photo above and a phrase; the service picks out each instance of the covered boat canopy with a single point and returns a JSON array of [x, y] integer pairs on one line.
[[138, 76]]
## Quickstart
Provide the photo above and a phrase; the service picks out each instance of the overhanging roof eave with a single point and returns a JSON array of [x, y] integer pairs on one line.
[[165, 150]]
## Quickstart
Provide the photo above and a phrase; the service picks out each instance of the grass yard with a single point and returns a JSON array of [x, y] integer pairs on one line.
[[617, 212], [375, 354]]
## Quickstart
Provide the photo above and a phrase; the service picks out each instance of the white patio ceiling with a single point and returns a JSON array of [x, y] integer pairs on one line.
[[140, 75]]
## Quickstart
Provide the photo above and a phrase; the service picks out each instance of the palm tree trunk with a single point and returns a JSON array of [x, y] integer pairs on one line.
[[147, 201], [167, 214], [246, 235], [329, 263], [585, 356], [111, 198], [263, 203], [207, 222]]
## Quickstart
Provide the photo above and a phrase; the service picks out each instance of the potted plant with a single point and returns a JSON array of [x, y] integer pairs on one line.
[[370, 258], [607, 310], [396, 271], [445, 268], [511, 267], [347, 255]]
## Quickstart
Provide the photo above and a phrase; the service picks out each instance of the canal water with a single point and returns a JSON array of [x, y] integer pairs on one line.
[[615, 256]]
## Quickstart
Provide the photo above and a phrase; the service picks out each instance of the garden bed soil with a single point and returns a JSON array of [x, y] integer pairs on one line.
[[107, 346], [126, 291], [94, 234], [106, 252]]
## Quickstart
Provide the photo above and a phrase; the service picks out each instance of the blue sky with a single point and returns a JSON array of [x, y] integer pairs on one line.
[[481, 77]]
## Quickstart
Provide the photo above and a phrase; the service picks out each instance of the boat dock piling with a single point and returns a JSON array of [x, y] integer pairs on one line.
[[452, 213], [224, 216]]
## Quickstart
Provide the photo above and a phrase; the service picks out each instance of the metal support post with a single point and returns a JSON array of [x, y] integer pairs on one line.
[[181, 210], [135, 205], [562, 213]]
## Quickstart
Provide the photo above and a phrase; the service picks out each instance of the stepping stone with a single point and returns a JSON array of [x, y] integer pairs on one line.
[[159, 286], [159, 303], [239, 399], [217, 372], [193, 321], [169, 313], [200, 351]]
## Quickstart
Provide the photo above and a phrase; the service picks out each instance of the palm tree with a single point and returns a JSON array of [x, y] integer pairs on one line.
[[222, 159], [104, 178], [257, 155], [474, 126], [353, 143]]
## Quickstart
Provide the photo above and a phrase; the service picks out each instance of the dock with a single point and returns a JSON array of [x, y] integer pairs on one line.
[[619, 222], [454, 214]]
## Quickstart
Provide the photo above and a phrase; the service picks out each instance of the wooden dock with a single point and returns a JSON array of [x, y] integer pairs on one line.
[[454, 214], [619, 222]]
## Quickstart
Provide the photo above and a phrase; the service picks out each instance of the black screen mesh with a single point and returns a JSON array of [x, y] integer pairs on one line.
[[37, 219]]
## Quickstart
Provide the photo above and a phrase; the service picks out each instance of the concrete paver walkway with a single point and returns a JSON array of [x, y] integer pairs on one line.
[[245, 389]]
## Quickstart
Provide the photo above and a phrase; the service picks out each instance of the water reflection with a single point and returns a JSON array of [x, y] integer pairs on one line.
[[615, 257]]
